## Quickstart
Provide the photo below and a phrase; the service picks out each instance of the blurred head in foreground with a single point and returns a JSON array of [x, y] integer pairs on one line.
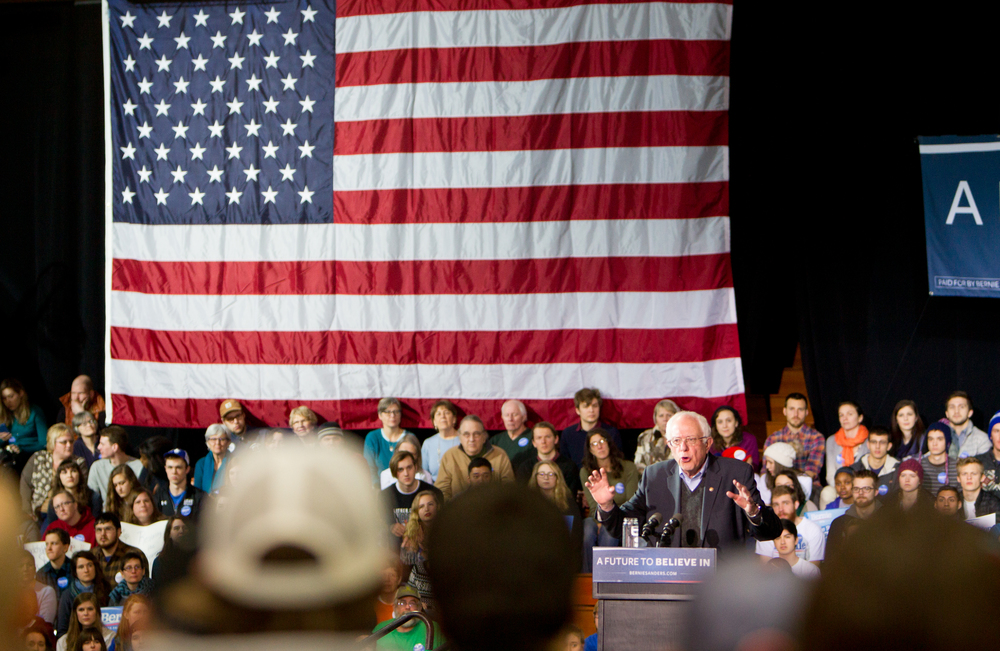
[[17, 598], [926, 575], [499, 565]]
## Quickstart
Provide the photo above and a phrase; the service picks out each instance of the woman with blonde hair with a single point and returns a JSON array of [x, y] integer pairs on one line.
[[123, 486], [25, 424], [86, 613], [652, 444], [40, 471], [547, 478], [412, 552], [303, 421]]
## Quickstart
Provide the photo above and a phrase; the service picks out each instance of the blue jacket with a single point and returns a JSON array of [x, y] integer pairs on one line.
[[205, 477], [30, 437]]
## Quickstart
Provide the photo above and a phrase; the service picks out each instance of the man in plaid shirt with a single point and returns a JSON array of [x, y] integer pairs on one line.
[[808, 443]]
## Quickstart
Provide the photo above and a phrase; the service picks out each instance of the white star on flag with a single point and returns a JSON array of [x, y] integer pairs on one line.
[[161, 197], [196, 196], [306, 196], [127, 195], [128, 19], [269, 195], [128, 151], [234, 195]]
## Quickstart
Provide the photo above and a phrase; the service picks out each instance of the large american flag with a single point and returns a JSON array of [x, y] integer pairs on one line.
[[508, 199]]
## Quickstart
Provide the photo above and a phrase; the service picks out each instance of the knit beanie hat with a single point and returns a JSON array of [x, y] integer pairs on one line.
[[945, 429], [911, 464], [993, 423], [782, 453]]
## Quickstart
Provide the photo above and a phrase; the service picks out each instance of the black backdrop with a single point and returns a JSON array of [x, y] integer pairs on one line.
[[828, 244]]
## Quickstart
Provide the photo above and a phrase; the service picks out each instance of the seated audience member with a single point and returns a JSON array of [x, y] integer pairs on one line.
[[444, 416], [948, 501], [39, 472], [975, 501], [651, 446], [590, 644], [86, 613], [802, 487], [622, 474], [86, 577], [401, 494], [864, 507], [173, 534], [85, 427], [330, 435], [235, 419], [480, 471], [991, 458], [841, 489], [136, 611], [110, 551], [412, 634], [502, 604], [910, 496], [38, 636], [75, 519], [178, 497], [967, 440], [44, 594], [144, 511], [879, 461], [412, 552], [907, 429], [778, 458], [572, 638], [134, 580], [55, 573], [786, 548], [546, 477], [850, 443], [811, 543], [573, 439], [545, 447], [516, 437], [123, 486], [112, 446], [381, 443], [70, 476], [411, 444], [385, 602], [453, 475], [81, 397], [210, 470], [727, 432], [807, 444], [151, 452], [939, 467], [303, 421], [24, 421], [92, 639]]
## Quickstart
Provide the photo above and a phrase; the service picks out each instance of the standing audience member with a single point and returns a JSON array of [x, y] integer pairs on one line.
[[112, 446], [55, 573], [86, 577], [303, 422], [70, 476], [991, 458], [786, 548], [81, 397], [86, 613], [573, 439], [727, 432], [545, 447], [976, 502], [865, 506], [136, 610], [412, 634], [24, 422], [111, 549], [123, 486], [235, 419], [967, 440], [39, 473], [907, 429], [651, 447], [413, 550], [602, 454], [850, 442], [480, 471], [453, 475], [948, 501], [411, 444], [910, 496], [85, 447], [44, 595], [74, 518], [209, 471], [444, 416], [939, 467], [878, 460], [807, 443], [134, 580], [381, 443], [144, 511], [178, 497], [516, 437], [547, 478], [811, 543]]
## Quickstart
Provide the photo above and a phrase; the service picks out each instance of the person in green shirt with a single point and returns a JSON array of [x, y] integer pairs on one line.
[[411, 636]]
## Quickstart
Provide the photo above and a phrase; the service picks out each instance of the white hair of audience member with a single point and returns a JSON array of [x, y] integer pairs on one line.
[[217, 429]]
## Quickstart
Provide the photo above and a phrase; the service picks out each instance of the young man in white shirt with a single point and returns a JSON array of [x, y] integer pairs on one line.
[[786, 545], [975, 501], [811, 543]]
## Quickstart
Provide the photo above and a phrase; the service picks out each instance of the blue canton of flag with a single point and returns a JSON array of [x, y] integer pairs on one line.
[[221, 114]]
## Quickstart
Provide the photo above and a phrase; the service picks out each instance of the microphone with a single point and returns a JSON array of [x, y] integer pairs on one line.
[[668, 529], [651, 524]]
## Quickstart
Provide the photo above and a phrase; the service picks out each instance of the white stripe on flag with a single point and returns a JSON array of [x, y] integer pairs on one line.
[[501, 169], [387, 242], [436, 312], [960, 148], [721, 377], [536, 97], [524, 28]]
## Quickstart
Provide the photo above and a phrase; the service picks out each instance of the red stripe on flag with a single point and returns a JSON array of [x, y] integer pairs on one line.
[[360, 414], [534, 132], [535, 203], [582, 59], [531, 276], [347, 8], [515, 347]]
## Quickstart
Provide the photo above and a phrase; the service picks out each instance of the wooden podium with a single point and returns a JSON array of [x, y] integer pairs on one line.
[[644, 594]]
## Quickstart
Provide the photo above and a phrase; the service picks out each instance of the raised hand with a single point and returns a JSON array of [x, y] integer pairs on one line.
[[599, 487], [743, 499]]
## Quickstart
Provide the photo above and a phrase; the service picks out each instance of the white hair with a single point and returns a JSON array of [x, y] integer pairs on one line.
[[675, 422], [217, 429], [520, 407]]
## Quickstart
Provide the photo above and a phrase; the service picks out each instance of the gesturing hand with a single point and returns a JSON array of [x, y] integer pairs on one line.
[[601, 490], [743, 499]]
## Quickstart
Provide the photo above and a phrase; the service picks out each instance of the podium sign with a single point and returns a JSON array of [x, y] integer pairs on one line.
[[653, 565]]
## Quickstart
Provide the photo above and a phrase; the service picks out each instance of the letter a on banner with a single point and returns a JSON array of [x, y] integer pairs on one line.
[[963, 188]]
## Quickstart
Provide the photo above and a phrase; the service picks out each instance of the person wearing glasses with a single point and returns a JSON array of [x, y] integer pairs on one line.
[[74, 519], [864, 507], [381, 443], [209, 472], [178, 497], [622, 476], [412, 634], [547, 478], [716, 497]]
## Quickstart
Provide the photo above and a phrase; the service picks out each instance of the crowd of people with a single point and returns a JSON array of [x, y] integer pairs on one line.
[[79, 483]]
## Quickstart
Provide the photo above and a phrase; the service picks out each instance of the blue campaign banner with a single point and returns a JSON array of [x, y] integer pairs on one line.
[[825, 518], [110, 616], [961, 179], [652, 565]]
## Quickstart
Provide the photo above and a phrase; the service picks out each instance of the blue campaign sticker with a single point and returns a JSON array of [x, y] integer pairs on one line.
[[883, 489], [62, 582], [522, 442], [963, 455], [942, 478], [840, 460], [620, 488], [418, 647], [185, 510], [79, 536]]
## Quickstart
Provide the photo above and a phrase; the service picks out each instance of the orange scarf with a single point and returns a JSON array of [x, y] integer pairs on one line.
[[847, 445]]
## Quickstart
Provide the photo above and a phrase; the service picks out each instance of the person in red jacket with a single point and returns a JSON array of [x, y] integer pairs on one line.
[[75, 519]]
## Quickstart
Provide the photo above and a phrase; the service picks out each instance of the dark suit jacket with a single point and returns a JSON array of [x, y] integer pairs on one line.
[[723, 523]]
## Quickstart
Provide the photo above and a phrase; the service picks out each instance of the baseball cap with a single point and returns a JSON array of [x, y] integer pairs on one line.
[[295, 499], [228, 406], [179, 453], [407, 591]]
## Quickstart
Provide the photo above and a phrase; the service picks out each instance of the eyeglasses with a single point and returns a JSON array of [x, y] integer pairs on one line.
[[403, 603], [545, 474], [690, 441], [598, 442], [62, 505], [862, 489], [392, 412], [217, 439], [132, 568]]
